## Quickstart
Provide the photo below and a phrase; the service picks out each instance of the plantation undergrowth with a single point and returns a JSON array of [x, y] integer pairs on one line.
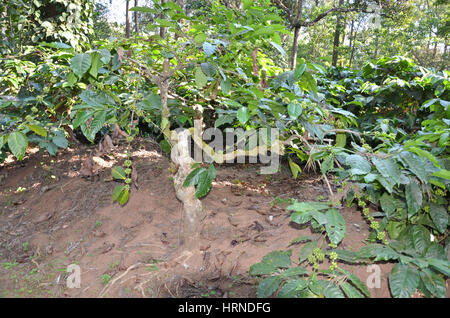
[[379, 133]]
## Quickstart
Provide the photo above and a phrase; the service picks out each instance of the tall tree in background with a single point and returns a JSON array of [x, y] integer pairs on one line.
[[127, 19], [136, 23], [337, 33]]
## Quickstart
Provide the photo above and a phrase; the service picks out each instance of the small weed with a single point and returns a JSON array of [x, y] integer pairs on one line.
[[105, 279], [9, 265]]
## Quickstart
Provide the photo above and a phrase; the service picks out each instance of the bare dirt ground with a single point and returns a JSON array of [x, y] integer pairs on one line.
[[51, 217]]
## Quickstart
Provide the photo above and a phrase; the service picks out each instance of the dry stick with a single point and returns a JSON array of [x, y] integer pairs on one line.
[[105, 289]]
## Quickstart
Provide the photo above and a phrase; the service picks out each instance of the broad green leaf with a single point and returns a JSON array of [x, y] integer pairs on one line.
[[443, 173], [301, 239], [434, 283], [262, 269], [200, 78], [341, 140], [295, 169], [292, 287], [294, 271], [61, 141], [294, 110], [335, 226], [306, 250], [208, 69], [18, 144], [413, 196], [403, 280], [359, 165], [439, 216], [388, 168], [95, 64], [193, 178], [208, 48], [226, 86], [222, 120], [416, 164], [116, 192], [204, 184], [80, 64], [350, 291], [118, 173], [279, 259], [97, 123], [243, 115], [356, 282], [38, 130], [123, 197], [268, 286], [332, 291], [200, 38]]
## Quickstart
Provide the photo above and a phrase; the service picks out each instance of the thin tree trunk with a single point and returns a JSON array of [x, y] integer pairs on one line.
[[295, 47], [350, 45], [136, 25], [337, 34], [127, 20], [162, 30], [298, 19], [375, 54]]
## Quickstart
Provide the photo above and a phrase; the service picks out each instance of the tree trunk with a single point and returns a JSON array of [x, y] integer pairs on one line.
[[295, 48], [162, 30], [127, 20], [337, 35], [136, 25], [375, 54], [297, 20], [351, 35]]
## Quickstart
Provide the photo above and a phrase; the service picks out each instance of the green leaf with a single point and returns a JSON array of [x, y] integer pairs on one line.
[[332, 291], [335, 226], [243, 115], [123, 197], [18, 144], [193, 178], [294, 271], [416, 164], [262, 269], [200, 78], [440, 265], [200, 38], [403, 280], [208, 48], [268, 286], [281, 259], [443, 173], [350, 291], [425, 154], [204, 184], [295, 169], [306, 250], [292, 287], [97, 124], [116, 193], [226, 86], [413, 196], [95, 64], [356, 282], [61, 141], [209, 69], [388, 168], [341, 140], [359, 165], [38, 130], [439, 216], [80, 63], [118, 173], [222, 120], [294, 110], [279, 48], [434, 283]]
